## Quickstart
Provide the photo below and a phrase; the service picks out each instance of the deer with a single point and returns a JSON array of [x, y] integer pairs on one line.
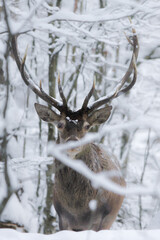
[[72, 192]]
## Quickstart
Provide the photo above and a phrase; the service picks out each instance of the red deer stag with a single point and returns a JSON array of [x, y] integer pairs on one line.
[[72, 191]]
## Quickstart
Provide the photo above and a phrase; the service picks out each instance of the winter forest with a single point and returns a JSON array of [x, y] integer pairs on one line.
[[81, 41]]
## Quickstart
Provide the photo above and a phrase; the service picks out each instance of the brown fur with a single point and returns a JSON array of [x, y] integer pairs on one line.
[[73, 192]]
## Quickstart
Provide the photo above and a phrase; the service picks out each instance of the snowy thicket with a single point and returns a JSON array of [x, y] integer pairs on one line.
[[82, 40]]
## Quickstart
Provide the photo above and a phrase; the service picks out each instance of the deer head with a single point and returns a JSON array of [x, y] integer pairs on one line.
[[73, 125], [69, 129]]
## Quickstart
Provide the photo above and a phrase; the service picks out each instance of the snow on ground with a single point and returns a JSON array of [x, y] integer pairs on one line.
[[6, 234]]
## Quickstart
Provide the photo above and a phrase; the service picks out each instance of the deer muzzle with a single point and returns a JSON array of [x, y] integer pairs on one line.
[[72, 138]]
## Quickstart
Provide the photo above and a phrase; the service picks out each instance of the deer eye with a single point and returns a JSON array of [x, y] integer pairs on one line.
[[60, 125], [87, 126]]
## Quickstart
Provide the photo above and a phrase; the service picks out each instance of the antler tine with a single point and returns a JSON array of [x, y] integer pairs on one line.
[[126, 89], [119, 89], [61, 93], [118, 92], [52, 101], [86, 100], [29, 82]]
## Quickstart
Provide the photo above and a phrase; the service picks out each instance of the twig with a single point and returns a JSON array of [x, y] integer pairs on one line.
[[4, 142], [30, 15], [142, 176]]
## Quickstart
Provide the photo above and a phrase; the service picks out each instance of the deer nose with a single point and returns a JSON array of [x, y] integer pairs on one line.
[[72, 138]]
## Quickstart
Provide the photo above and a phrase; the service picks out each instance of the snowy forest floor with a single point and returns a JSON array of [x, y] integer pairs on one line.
[[6, 234]]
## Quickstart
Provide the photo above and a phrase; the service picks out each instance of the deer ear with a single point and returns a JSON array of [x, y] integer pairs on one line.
[[46, 114], [99, 116]]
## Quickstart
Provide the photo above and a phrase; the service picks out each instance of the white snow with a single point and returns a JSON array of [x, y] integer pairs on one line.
[[134, 114], [93, 204], [84, 235]]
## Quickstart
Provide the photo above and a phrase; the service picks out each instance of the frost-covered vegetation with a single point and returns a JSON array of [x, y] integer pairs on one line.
[[82, 40]]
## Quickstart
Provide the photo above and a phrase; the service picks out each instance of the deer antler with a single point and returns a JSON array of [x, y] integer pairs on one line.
[[29, 82], [86, 100], [62, 106], [120, 90], [61, 93]]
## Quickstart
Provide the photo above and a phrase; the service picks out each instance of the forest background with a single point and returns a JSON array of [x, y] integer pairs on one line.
[[82, 40]]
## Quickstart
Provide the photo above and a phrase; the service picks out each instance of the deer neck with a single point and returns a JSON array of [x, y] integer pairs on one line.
[[89, 154], [72, 187]]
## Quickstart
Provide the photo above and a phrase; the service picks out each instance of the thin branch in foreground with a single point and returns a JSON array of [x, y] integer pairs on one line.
[[100, 179]]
